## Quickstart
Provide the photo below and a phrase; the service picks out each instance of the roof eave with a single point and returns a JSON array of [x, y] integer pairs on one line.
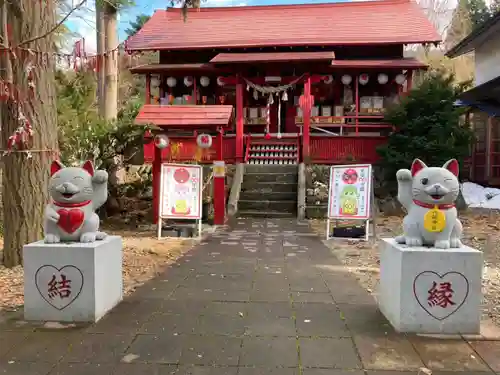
[[301, 44], [476, 37]]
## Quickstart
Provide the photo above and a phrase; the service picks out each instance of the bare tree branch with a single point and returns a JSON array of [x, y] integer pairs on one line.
[[55, 27]]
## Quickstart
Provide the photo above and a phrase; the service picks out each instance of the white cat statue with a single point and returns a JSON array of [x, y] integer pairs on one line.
[[76, 192], [428, 194]]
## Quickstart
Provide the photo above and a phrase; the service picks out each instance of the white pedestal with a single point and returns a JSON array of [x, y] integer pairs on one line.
[[428, 290], [72, 282]]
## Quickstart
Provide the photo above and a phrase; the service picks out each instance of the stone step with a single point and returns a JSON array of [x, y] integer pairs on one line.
[[267, 205], [270, 195], [270, 177], [268, 187], [265, 214], [271, 168]]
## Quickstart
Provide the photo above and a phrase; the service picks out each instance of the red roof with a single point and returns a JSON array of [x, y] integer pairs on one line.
[[222, 58], [182, 116], [345, 23], [407, 63]]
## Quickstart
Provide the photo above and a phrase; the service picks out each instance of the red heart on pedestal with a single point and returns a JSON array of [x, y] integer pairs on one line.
[[70, 220]]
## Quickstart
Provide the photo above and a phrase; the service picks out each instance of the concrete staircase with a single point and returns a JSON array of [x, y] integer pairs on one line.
[[269, 191]]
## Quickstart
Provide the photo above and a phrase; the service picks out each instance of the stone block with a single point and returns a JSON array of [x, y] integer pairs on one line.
[[429, 290], [72, 282]]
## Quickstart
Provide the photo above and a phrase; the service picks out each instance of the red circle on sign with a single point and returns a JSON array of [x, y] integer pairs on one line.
[[350, 176], [181, 175]]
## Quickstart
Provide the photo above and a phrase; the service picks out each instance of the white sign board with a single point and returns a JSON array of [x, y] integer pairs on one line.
[[350, 193], [180, 193], [349, 196]]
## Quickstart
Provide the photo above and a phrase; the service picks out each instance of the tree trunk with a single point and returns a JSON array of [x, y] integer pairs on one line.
[[101, 47], [111, 44], [26, 179]]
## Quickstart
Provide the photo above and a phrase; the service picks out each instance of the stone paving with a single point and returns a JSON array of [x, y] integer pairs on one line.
[[265, 297]]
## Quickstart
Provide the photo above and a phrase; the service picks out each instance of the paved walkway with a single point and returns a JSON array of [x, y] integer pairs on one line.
[[266, 297]]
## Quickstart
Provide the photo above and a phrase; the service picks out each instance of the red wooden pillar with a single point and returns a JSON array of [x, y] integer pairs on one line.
[[148, 88], [219, 192], [156, 184], [306, 113], [356, 94], [239, 122]]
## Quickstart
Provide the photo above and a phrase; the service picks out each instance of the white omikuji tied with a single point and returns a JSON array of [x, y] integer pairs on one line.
[[76, 193], [429, 194]]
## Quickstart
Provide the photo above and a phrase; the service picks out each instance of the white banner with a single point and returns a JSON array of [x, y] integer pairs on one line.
[[181, 191], [349, 195]]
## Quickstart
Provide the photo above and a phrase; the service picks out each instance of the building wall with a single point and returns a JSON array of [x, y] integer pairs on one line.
[[487, 60]]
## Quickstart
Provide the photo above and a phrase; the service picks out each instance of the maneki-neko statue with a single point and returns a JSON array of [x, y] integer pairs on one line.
[[76, 193], [428, 194]]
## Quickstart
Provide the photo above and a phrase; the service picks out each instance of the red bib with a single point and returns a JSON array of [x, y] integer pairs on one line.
[[70, 220]]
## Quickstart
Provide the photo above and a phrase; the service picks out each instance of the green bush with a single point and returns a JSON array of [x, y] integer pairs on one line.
[[428, 127]]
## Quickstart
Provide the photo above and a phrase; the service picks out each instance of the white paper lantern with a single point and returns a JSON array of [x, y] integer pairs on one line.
[[171, 82], [382, 78], [204, 81], [328, 79], [400, 79], [188, 81], [155, 81], [161, 141], [220, 81], [364, 78], [204, 140], [346, 79]]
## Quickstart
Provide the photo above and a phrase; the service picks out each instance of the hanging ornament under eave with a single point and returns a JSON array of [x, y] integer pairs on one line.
[[204, 81], [284, 97], [255, 94], [346, 79], [204, 140], [363, 79], [220, 81], [161, 141], [270, 100], [155, 81], [328, 79], [171, 81], [400, 79], [382, 78], [188, 81]]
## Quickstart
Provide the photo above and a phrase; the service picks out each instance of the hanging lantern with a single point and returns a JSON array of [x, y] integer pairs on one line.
[[400, 79], [188, 81], [346, 79], [382, 78], [363, 79], [328, 79], [161, 141], [220, 81], [270, 100], [285, 96], [155, 81], [255, 94], [204, 140], [171, 82], [204, 81]]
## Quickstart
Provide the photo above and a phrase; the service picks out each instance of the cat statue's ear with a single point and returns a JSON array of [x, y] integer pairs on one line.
[[55, 167], [417, 166], [89, 167], [452, 166]]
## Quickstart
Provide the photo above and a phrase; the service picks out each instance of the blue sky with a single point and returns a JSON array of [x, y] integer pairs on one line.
[[82, 23]]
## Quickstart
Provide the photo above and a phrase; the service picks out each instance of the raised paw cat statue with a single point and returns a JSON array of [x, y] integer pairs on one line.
[[76, 193], [428, 194]]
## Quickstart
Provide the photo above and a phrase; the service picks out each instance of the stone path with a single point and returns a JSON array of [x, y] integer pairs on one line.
[[266, 297]]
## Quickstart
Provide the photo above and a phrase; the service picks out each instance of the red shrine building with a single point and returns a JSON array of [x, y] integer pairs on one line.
[[278, 84]]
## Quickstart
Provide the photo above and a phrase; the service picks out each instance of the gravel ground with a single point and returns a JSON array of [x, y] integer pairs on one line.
[[481, 231]]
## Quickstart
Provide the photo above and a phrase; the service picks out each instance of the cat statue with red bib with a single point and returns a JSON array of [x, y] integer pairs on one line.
[[428, 194], [76, 193]]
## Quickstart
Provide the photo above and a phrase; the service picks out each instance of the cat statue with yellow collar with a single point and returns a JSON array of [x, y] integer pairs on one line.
[[428, 194], [75, 192]]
